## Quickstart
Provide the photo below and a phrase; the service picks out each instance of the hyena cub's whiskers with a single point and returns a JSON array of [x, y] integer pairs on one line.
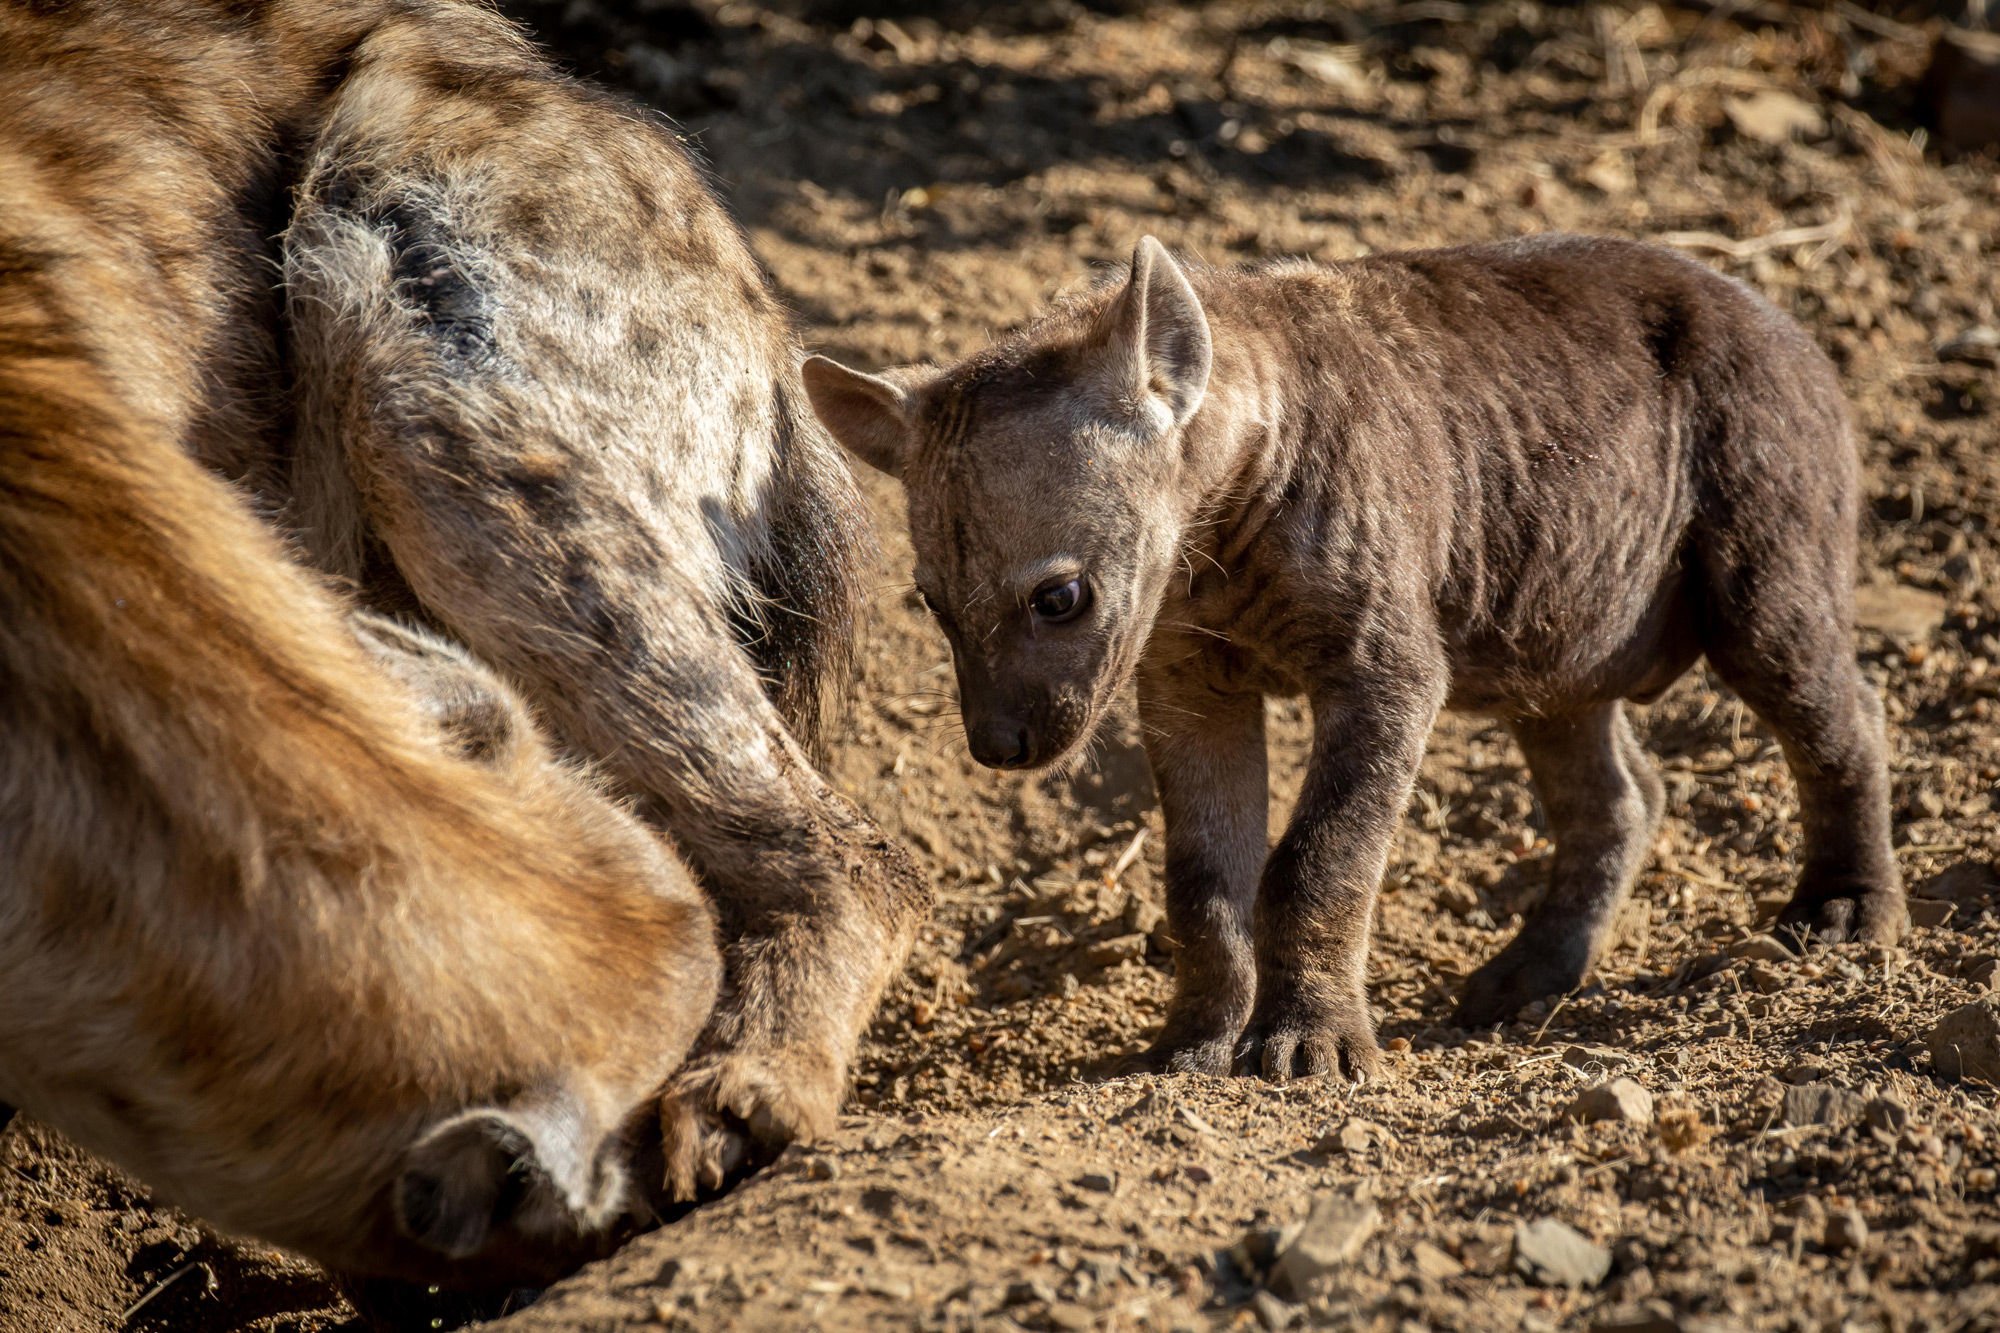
[[1534, 480]]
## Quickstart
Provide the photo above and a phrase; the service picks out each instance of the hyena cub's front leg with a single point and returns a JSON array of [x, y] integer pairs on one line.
[[1210, 766], [1604, 801], [1317, 899]]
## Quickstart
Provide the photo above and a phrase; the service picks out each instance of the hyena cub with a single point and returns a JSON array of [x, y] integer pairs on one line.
[[1532, 480]]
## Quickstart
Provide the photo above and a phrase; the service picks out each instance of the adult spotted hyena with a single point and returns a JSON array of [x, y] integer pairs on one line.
[[307, 308], [1533, 480]]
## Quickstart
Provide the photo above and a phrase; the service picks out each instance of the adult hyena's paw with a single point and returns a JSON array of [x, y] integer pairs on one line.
[[1849, 914], [727, 1114], [1290, 1036], [1532, 967]]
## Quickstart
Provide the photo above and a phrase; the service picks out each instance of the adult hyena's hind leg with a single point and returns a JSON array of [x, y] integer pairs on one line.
[[1603, 798], [1785, 644]]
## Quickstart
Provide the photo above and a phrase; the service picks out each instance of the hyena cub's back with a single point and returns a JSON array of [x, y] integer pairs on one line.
[[1533, 479]]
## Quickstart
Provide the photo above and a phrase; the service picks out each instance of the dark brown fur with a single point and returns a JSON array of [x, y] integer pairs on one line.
[[1532, 479]]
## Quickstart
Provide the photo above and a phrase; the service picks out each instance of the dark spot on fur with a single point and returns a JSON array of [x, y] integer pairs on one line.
[[1666, 333], [451, 308], [589, 608], [547, 489]]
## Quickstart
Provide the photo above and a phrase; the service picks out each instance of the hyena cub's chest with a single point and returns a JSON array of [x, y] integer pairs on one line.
[[1240, 631]]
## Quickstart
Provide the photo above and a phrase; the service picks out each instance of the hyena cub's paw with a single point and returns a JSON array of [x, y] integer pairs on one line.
[[1292, 1036], [1535, 965], [1168, 1055], [730, 1113], [1850, 914], [1199, 1038]]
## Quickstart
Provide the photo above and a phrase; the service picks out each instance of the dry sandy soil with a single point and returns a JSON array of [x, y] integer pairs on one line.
[[918, 184]]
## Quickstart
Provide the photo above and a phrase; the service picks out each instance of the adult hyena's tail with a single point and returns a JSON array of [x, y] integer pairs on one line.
[[807, 576]]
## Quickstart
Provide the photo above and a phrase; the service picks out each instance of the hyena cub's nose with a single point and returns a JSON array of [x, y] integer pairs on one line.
[[999, 744]]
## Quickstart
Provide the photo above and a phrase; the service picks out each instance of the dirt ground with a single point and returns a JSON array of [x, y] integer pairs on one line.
[[918, 177]]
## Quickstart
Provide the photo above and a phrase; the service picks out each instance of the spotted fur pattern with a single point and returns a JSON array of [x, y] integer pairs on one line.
[[312, 314]]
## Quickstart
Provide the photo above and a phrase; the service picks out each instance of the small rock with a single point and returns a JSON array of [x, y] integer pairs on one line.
[[1328, 1239], [1762, 949], [1460, 899], [1822, 1104], [1771, 116], [1965, 882], [1966, 1042], [822, 1168], [1923, 1144], [1926, 914], [1803, 1208], [1887, 1116], [1144, 915], [1980, 970], [1610, 172], [1194, 1122], [1803, 1072], [1434, 1263], [1629, 1254], [1030, 1292], [1845, 1230], [1978, 346], [1110, 953], [1072, 1317], [1763, 979], [1652, 1317], [1620, 1100], [1598, 1057], [1356, 1135], [1273, 1313], [1099, 1182], [1553, 1254], [1898, 611]]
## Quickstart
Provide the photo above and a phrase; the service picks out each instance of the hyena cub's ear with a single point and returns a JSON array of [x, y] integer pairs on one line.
[[868, 414], [1157, 334]]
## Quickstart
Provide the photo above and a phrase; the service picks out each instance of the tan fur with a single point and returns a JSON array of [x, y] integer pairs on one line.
[[304, 922]]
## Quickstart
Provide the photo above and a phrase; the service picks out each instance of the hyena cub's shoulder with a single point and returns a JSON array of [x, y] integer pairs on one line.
[[1533, 479]]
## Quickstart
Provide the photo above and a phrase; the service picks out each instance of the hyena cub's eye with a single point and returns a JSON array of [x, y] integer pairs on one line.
[[1057, 602]]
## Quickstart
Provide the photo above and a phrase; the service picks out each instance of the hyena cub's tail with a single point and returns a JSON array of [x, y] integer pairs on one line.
[[807, 573]]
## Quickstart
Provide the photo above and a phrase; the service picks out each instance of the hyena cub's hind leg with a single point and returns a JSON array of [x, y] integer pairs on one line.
[[1603, 798], [1796, 670]]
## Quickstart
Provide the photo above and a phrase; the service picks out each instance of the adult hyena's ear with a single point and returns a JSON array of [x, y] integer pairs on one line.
[[868, 414], [1157, 334]]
